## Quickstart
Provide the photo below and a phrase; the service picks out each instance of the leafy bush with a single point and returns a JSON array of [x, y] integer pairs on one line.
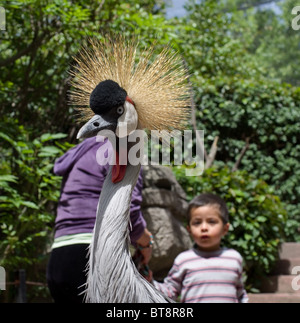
[[266, 114], [28, 192], [257, 216]]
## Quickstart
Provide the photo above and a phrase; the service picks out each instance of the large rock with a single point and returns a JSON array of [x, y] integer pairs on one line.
[[164, 209]]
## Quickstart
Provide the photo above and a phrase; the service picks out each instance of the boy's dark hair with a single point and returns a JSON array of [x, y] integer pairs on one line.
[[209, 199]]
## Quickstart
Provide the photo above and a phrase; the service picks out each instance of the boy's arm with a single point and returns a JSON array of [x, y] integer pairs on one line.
[[171, 285], [242, 295], [241, 292]]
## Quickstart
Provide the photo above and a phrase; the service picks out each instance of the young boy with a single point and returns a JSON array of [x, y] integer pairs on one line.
[[207, 272]]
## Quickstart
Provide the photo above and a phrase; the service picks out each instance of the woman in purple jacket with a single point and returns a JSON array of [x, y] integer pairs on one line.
[[84, 172]]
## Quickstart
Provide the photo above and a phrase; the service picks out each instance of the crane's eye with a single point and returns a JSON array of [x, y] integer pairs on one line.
[[120, 110]]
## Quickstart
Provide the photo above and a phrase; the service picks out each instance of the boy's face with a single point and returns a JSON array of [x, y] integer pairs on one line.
[[207, 227]]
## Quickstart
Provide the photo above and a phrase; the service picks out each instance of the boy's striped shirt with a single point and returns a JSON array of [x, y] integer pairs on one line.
[[200, 277]]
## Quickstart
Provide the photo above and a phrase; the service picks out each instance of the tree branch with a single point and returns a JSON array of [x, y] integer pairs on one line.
[[193, 114], [212, 153], [245, 148], [37, 40]]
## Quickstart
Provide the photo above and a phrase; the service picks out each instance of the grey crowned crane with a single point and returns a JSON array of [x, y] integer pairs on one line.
[[113, 89]]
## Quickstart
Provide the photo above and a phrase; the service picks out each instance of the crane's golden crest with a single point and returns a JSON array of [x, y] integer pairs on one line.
[[157, 84]]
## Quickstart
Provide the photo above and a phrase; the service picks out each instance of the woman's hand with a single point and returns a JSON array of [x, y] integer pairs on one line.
[[144, 244]]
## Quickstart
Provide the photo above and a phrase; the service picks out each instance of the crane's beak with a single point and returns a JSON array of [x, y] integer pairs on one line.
[[93, 126], [91, 129]]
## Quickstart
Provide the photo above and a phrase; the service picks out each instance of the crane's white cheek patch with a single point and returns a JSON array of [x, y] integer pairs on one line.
[[128, 121]]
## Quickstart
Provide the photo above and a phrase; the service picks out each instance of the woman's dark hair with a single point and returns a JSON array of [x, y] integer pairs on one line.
[[209, 199]]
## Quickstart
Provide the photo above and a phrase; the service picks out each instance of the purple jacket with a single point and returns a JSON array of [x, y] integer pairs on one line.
[[82, 181]]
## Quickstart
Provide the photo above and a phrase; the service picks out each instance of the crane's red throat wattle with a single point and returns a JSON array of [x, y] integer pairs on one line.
[[118, 171]]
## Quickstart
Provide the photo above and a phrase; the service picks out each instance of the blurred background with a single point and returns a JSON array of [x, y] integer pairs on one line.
[[243, 60]]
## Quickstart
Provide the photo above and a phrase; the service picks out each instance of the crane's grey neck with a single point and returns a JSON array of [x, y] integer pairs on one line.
[[112, 276], [110, 243]]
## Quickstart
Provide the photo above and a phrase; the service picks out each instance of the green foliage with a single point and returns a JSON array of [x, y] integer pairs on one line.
[[28, 193], [236, 102], [257, 216], [210, 46], [37, 47], [271, 39]]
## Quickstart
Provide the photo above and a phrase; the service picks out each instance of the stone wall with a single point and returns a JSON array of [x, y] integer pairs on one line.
[[164, 208]]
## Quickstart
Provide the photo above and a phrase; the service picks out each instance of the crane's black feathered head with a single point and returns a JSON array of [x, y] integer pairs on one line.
[[106, 95]]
